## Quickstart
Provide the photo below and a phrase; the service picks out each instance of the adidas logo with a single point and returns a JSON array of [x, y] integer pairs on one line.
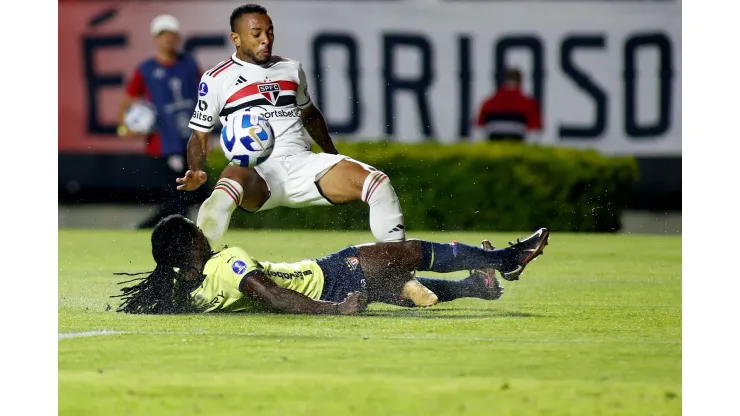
[[398, 227], [241, 80]]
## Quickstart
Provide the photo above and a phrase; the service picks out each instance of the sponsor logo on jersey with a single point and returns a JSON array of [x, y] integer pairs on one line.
[[239, 267], [281, 113], [216, 300], [202, 105], [295, 275], [202, 89], [352, 262], [271, 91], [197, 115]]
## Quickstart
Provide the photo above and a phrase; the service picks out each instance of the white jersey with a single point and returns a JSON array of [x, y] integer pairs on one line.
[[276, 90]]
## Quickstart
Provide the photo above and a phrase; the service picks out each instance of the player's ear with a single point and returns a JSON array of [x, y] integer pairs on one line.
[[235, 39]]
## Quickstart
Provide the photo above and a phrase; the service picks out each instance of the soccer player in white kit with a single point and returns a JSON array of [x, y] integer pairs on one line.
[[256, 80]]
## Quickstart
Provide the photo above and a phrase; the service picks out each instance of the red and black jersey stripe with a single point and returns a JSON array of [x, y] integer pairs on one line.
[[217, 67], [282, 101], [221, 67]]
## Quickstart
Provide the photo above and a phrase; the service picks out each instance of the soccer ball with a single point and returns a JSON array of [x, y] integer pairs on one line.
[[247, 139], [140, 117]]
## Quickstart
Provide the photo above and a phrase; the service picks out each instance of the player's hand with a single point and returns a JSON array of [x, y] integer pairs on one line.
[[192, 180], [355, 302]]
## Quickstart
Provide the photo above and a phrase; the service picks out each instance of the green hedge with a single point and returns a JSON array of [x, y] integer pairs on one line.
[[486, 186]]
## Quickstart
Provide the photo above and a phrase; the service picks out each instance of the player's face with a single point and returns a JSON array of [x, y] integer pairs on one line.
[[167, 41], [255, 37]]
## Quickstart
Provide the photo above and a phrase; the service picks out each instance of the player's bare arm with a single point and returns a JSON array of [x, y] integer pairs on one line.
[[197, 152], [276, 299], [315, 124]]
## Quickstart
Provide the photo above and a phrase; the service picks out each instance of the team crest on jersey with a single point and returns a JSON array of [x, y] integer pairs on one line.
[[271, 91], [352, 262], [239, 267]]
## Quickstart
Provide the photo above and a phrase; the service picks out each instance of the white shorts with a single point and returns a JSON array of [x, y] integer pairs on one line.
[[292, 180]]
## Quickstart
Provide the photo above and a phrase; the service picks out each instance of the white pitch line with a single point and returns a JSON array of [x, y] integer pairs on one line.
[[399, 338], [67, 335]]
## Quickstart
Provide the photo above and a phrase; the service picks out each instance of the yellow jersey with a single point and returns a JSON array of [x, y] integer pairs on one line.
[[226, 271]]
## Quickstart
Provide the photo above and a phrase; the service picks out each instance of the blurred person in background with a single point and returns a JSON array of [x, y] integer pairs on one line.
[[509, 114], [169, 81]]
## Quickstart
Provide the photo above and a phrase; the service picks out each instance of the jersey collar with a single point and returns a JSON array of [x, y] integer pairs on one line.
[[238, 61], [244, 63]]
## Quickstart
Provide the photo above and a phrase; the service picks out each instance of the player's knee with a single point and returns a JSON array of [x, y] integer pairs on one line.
[[412, 251], [385, 179], [377, 187], [406, 255], [410, 246]]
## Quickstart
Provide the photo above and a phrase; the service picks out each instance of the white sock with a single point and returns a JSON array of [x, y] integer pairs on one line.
[[215, 212], [386, 219]]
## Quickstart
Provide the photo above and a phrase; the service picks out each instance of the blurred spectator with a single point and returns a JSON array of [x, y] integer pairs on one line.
[[509, 114], [169, 80]]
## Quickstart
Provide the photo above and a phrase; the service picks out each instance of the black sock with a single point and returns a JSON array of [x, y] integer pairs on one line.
[[447, 290], [453, 257]]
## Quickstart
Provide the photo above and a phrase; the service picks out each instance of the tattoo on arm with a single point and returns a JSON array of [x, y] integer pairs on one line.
[[197, 150]]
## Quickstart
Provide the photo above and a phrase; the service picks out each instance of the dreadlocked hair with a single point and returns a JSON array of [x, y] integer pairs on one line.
[[165, 289]]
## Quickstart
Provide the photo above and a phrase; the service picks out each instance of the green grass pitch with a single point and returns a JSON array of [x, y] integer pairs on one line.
[[592, 328]]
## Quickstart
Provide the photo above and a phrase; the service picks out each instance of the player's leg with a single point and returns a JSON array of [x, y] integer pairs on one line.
[[386, 272], [481, 284], [349, 181], [510, 261], [419, 255], [344, 272], [237, 186], [390, 267], [478, 285]]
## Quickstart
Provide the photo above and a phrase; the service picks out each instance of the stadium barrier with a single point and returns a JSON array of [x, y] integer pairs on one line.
[[485, 186]]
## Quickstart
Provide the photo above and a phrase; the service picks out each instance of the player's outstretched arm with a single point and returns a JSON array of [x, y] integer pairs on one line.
[[197, 151], [315, 125], [277, 299]]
